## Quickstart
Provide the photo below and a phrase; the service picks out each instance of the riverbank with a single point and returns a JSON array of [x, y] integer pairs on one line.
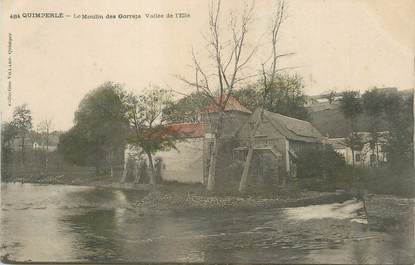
[[182, 197], [167, 198], [104, 181], [387, 212]]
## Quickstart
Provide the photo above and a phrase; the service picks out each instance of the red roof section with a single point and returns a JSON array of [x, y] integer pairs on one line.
[[185, 130], [232, 104]]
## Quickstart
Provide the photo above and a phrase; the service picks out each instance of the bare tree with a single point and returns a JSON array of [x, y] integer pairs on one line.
[[269, 71], [229, 57]]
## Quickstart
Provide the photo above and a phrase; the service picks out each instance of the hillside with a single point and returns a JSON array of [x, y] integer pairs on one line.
[[329, 120]]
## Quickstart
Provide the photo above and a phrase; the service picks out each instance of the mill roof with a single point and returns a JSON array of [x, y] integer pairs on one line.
[[185, 130], [232, 105], [293, 129]]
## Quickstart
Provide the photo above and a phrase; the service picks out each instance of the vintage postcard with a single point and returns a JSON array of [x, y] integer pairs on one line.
[[209, 132]]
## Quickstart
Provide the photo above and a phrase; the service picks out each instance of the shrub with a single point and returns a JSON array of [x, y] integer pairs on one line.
[[323, 169], [386, 181]]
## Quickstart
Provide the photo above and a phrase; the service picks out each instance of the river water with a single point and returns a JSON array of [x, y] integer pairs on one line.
[[73, 223]]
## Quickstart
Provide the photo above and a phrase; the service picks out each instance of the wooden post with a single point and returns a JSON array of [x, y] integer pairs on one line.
[[212, 166], [243, 185]]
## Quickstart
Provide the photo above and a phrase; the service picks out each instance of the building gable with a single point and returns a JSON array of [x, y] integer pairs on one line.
[[277, 126]]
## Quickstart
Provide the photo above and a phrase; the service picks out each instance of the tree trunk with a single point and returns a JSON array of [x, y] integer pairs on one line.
[[124, 171], [137, 171], [377, 155], [324, 162], [243, 185], [214, 153], [23, 158], [152, 171], [212, 166], [110, 163], [97, 170], [47, 149], [352, 144]]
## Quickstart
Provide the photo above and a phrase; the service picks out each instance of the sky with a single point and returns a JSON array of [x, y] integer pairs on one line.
[[338, 45]]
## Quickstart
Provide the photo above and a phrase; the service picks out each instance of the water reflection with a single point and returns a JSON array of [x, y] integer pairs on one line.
[[63, 223], [93, 231]]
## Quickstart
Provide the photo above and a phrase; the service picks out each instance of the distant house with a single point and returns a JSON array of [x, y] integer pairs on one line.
[[328, 97], [340, 146], [278, 141], [364, 154], [329, 120], [36, 141]]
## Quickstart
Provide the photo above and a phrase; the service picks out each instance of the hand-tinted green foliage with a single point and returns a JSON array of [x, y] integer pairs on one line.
[[145, 114], [100, 128], [397, 110], [285, 96], [323, 166], [186, 109], [248, 96]]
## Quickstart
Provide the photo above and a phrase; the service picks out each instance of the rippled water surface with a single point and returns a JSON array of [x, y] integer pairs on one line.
[[70, 223]]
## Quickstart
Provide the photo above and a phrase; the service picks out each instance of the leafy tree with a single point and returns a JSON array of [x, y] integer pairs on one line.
[[284, 96], [399, 116], [248, 96], [331, 97], [322, 164], [101, 127], [44, 128], [76, 149], [145, 114], [22, 123], [373, 107], [186, 109], [8, 134], [351, 107]]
